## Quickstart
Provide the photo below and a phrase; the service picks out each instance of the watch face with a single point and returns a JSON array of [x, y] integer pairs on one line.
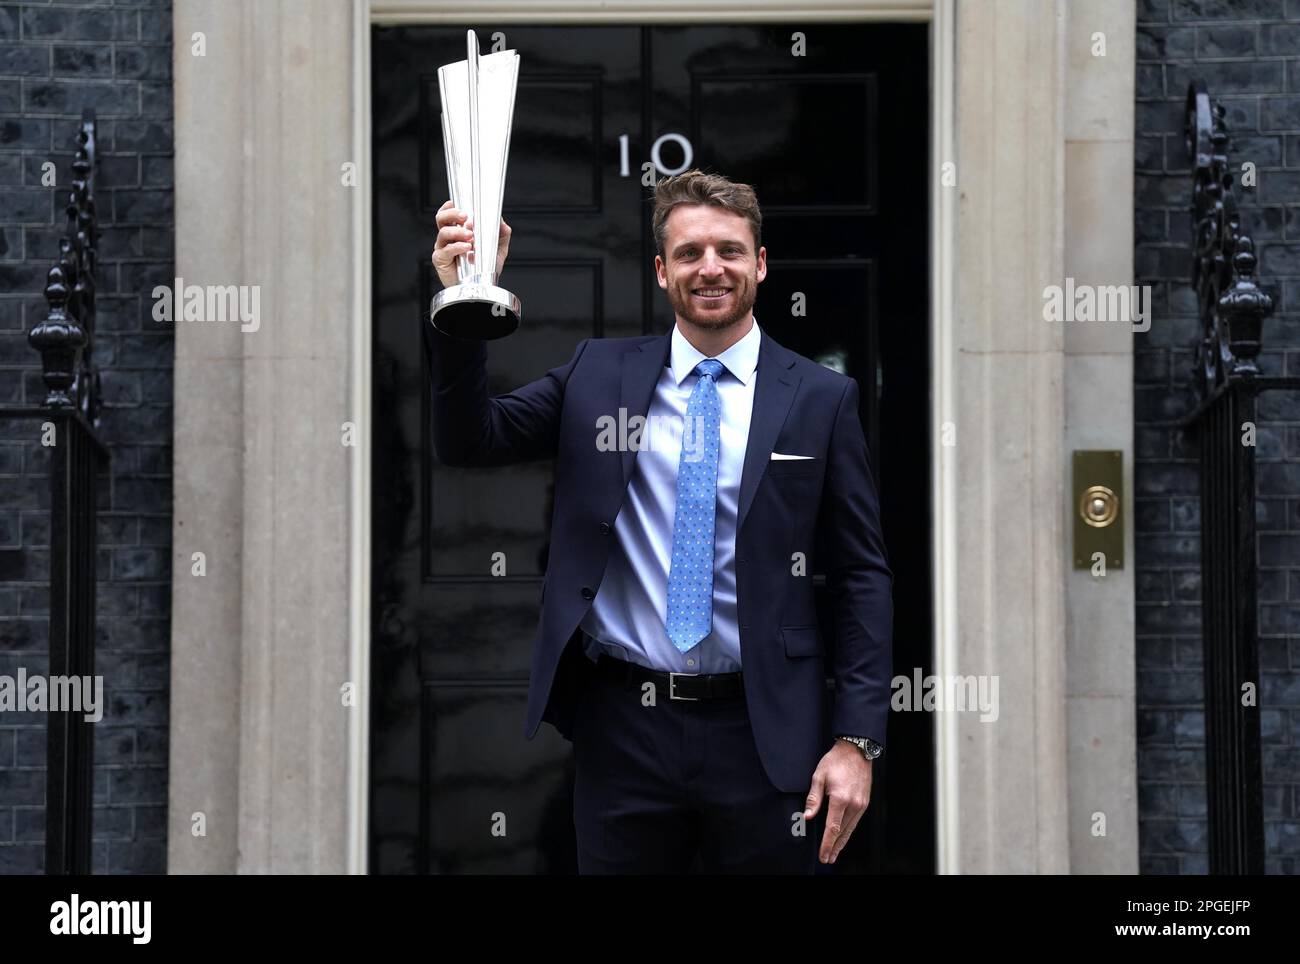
[[870, 749]]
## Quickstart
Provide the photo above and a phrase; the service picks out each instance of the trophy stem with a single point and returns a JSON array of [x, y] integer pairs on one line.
[[475, 155]]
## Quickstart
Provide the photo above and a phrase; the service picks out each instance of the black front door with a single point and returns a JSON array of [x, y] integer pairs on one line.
[[829, 125]]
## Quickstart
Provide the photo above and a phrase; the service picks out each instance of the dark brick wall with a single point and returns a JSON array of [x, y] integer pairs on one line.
[[1248, 53], [55, 59]]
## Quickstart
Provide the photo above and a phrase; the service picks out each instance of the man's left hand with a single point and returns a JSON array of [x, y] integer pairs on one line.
[[843, 775]]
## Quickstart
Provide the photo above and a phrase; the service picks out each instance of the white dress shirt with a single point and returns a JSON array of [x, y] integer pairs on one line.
[[626, 618]]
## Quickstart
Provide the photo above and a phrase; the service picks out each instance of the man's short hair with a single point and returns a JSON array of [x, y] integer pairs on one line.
[[696, 187]]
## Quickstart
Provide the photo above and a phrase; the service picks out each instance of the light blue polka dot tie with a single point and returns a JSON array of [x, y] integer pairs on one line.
[[690, 578]]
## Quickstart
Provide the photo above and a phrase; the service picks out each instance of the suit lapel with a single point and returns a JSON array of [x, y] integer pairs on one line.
[[773, 396], [642, 366]]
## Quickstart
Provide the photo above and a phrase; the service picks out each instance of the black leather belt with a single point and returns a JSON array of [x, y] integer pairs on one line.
[[678, 686]]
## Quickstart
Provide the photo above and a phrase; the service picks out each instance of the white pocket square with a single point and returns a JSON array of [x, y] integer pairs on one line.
[[780, 455]]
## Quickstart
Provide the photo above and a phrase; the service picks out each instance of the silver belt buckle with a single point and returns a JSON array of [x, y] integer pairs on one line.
[[672, 688]]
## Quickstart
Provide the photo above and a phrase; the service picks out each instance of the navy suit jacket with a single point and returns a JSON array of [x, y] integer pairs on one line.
[[825, 507]]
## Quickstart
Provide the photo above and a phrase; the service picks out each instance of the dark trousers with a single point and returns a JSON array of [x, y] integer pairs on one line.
[[678, 786]]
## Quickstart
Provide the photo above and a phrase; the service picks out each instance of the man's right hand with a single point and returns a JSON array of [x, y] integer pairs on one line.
[[456, 238]]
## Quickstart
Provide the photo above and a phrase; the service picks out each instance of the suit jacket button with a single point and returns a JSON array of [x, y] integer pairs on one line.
[[605, 529], [587, 593]]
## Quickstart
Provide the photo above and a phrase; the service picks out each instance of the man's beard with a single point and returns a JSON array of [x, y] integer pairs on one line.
[[713, 321]]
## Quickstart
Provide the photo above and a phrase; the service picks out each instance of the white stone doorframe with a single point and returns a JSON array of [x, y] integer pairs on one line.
[[260, 743]]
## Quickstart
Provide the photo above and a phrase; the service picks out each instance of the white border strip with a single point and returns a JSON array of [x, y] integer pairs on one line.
[[390, 12], [943, 460], [358, 779]]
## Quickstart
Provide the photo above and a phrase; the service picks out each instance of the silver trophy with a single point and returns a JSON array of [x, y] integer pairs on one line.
[[478, 104]]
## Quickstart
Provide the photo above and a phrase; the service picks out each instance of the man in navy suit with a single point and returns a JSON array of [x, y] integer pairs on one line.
[[699, 478]]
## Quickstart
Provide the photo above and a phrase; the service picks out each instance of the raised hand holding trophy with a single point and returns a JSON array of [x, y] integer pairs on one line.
[[478, 103]]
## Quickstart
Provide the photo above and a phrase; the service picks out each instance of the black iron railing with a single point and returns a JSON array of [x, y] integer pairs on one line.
[[64, 423], [1229, 384], [66, 337]]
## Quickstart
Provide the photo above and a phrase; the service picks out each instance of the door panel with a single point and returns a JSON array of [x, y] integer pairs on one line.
[[456, 789]]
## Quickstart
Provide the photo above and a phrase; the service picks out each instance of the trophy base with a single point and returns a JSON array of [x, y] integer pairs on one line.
[[475, 310]]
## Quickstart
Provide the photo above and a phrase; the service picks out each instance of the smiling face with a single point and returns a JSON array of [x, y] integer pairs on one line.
[[711, 272]]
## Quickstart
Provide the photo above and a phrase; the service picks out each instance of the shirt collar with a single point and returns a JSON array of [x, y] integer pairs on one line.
[[741, 359]]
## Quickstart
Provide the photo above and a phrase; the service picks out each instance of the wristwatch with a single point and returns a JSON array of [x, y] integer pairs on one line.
[[870, 748]]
